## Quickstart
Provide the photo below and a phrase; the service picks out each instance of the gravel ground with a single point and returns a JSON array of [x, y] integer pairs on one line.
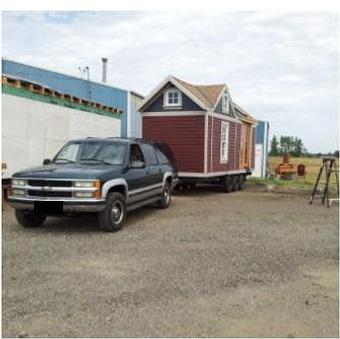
[[213, 264]]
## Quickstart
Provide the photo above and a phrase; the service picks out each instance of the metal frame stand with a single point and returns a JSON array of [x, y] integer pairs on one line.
[[328, 166]]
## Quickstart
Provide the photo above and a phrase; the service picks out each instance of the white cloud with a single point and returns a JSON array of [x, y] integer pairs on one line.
[[282, 67]]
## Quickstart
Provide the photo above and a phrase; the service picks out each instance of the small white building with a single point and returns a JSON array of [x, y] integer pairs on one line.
[[37, 121]]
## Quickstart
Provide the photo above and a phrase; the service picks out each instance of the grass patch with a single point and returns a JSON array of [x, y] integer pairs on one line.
[[298, 183]]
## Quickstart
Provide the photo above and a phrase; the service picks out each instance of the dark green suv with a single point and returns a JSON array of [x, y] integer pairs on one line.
[[108, 176]]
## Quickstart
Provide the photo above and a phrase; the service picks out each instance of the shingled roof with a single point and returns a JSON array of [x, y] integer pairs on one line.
[[208, 94]]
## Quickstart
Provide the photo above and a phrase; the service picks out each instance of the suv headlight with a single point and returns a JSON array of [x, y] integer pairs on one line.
[[94, 187], [15, 187], [84, 194], [84, 184], [16, 191], [18, 182]]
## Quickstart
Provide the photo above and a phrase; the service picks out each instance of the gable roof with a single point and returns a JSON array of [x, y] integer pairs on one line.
[[208, 94], [205, 96]]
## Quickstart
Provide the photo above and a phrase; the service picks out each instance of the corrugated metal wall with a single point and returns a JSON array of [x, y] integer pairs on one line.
[[89, 90]]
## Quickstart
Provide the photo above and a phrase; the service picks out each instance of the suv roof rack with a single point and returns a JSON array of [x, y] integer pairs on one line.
[[130, 138]]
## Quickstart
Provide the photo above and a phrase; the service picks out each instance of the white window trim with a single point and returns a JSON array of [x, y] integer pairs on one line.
[[166, 98], [224, 157], [225, 103]]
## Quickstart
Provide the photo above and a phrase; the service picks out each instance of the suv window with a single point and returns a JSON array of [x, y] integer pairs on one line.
[[166, 150], [136, 153], [110, 153], [149, 154], [162, 158], [69, 152]]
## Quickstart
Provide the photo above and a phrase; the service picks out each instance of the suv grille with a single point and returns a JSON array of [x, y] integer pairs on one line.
[[54, 183]]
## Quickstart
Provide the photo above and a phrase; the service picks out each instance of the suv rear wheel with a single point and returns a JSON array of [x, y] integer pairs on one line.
[[113, 217], [29, 219], [166, 196]]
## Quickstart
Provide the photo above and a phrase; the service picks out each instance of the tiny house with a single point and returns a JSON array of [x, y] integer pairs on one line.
[[212, 138]]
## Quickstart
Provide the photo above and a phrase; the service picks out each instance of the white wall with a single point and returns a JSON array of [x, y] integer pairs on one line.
[[34, 130], [134, 117], [261, 155], [258, 170]]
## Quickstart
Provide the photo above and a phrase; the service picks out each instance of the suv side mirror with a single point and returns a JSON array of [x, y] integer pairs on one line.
[[46, 161], [137, 164]]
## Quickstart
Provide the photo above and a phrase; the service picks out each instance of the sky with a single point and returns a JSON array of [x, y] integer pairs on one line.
[[280, 67]]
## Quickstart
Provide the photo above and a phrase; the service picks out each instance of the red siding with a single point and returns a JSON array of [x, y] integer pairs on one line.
[[185, 136], [233, 147]]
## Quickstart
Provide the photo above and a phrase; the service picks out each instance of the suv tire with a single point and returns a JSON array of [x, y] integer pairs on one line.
[[165, 196], [29, 219], [113, 217]]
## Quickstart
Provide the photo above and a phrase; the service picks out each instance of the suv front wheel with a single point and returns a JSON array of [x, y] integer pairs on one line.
[[113, 217], [29, 219]]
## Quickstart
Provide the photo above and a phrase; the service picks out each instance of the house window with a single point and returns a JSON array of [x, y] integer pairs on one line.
[[224, 141], [225, 103], [173, 97]]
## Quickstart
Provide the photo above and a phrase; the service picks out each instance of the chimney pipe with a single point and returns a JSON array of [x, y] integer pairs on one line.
[[104, 61]]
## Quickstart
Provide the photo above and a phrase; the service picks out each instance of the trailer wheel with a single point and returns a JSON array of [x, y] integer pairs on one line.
[[29, 219], [235, 183], [191, 185], [242, 182], [226, 182]]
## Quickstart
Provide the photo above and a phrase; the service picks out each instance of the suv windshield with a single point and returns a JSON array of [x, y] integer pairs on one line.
[[110, 153]]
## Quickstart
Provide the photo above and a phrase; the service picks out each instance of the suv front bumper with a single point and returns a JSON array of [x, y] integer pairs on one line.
[[68, 205]]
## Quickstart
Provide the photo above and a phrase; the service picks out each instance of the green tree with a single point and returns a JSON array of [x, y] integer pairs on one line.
[[286, 144], [274, 147], [297, 147], [292, 145]]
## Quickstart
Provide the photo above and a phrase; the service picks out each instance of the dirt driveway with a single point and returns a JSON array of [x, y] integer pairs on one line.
[[214, 264]]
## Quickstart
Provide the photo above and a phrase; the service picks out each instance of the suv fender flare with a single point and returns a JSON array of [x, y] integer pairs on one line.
[[166, 176], [113, 183]]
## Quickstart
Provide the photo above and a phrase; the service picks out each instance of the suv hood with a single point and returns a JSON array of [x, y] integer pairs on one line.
[[70, 171]]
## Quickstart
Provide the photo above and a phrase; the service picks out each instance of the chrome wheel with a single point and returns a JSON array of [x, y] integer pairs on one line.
[[166, 195], [117, 212], [113, 216]]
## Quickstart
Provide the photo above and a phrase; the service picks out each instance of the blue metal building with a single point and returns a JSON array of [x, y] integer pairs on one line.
[[102, 93]]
